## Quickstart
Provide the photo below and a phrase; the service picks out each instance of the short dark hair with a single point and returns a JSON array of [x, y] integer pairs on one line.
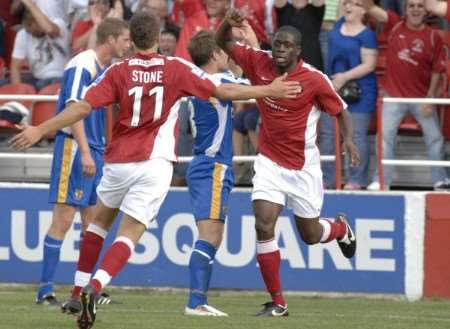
[[144, 29], [292, 31], [201, 47], [110, 27]]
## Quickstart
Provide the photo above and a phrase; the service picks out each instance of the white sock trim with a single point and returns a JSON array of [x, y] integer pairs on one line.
[[97, 230], [103, 277], [125, 240], [265, 247], [81, 279], [204, 254], [326, 225]]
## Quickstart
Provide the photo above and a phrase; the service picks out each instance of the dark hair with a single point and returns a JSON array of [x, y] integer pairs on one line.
[[201, 47], [144, 30], [172, 29], [110, 27], [292, 31]]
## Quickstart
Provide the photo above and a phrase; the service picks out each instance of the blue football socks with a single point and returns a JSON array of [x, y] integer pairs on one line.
[[52, 248], [200, 267]]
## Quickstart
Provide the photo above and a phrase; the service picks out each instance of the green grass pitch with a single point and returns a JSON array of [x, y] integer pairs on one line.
[[149, 309]]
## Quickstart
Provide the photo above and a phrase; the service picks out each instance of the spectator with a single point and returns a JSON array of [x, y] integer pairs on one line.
[[84, 31], [53, 9], [261, 17], [160, 9], [352, 56], [168, 42], [207, 19], [332, 13], [44, 44], [415, 59], [183, 9], [307, 18]]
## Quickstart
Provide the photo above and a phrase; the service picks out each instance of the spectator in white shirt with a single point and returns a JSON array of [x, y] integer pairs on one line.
[[43, 44]]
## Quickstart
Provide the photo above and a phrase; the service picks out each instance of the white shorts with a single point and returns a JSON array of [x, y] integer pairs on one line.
[[137, 189], [303, 188]]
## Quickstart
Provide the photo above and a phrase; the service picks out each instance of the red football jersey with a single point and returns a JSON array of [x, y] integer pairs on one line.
[[289, 126], [148, 89], [412, 56]]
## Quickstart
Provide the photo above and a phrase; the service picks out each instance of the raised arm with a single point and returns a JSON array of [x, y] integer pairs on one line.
[[232, 19], [375, 11], [436, 7], [31, 134], [42, 20]]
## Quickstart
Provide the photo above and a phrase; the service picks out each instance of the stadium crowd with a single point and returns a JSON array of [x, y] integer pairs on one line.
[[368, 50]]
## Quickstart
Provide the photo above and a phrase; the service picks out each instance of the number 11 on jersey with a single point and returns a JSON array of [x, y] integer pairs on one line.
[[138, 93]]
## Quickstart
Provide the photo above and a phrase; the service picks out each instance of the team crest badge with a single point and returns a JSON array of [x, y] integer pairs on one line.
[[78, 194]]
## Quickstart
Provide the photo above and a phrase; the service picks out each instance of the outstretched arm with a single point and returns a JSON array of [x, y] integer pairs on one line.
[[31, 134], [279, 88]]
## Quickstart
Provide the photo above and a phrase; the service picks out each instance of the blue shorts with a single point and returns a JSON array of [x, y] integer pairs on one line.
[[209, 184], [68, 185], [246, 120]]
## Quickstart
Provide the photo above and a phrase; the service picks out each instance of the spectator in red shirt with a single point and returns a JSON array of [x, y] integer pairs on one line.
[[261, 16], [207, 19], [415, 61], [183, 9], [160, 9], [83, 34]]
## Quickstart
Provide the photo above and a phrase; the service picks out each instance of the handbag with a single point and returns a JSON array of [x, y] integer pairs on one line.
[[350, 92]]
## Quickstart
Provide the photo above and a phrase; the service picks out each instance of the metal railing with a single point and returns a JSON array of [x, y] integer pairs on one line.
[[326, 158]]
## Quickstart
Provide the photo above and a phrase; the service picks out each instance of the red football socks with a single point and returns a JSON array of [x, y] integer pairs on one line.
[[269, 265]]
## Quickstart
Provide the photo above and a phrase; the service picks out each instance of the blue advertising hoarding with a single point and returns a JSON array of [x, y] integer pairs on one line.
[[161, 258]]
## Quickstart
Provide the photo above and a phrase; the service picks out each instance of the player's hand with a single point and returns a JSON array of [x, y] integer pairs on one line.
[[235, 18], [29, 136], [351, 148], [88, 164], [282, 88], [245, 34]]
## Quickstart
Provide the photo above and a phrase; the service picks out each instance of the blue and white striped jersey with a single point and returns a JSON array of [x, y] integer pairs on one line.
[[79, 73], [212, 125]]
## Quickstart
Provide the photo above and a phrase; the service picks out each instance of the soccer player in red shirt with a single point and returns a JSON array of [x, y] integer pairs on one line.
[[288, 165], [139, 159]]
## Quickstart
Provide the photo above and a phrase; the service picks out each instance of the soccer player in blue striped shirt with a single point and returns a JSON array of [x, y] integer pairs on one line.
[[78, 151]]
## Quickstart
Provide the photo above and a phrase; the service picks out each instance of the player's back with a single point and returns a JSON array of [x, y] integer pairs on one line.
[[212, 125], [148, 89], [79, 73]]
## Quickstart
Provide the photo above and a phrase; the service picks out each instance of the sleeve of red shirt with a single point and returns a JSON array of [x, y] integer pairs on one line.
[[327, 98], [246, 57], [393, 19], [192, 81], [104, 90], [439, 56]]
